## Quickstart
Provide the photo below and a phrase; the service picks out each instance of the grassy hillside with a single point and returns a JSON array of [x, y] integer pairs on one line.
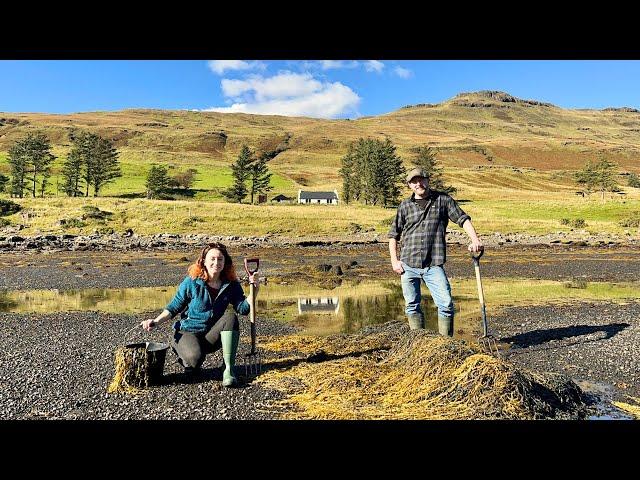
[[481, 128], [510, 159]]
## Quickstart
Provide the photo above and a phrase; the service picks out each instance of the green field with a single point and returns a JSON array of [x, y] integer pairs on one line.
[[517, 211]]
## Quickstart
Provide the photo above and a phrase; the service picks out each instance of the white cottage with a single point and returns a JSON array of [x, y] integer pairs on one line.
[[318, 197]]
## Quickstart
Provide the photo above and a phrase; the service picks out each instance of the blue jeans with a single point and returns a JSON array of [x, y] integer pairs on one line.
[[438, 284]]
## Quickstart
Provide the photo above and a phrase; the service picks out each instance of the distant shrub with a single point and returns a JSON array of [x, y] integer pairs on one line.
[[354, 228], [104, 231], [91, 212], [576, 283], [4, 222], [8, 207], [71, 223], [577, 223], [192, 221], [631, 221], [634, 180]]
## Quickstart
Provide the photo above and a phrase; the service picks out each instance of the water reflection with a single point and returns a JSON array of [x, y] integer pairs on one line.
[[318, 305], [344, 309]]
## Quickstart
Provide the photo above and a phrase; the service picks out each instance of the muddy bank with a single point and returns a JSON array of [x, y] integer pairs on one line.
[[73, 270]]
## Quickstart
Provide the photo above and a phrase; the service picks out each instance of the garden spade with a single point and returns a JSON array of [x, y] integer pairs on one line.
[[253, 363], [486, 340]]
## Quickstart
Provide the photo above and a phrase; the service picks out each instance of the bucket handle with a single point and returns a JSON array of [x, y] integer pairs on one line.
[[137, 325]]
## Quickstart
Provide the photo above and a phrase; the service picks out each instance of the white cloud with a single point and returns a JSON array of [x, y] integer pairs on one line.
[[329, 64], [221, 66], [403, 72], [373, 66], [290, 94], [283, 85]]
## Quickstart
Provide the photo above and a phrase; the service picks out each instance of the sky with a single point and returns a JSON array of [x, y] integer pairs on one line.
[[313, 88]]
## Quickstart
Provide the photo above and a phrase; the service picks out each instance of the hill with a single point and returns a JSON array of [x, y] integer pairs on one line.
[[478, 129]]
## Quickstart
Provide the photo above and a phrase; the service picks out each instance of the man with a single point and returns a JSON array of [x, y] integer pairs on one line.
[[422, 221]]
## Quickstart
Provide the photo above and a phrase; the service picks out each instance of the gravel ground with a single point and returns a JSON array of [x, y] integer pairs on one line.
[[592, 342], [64, 371]]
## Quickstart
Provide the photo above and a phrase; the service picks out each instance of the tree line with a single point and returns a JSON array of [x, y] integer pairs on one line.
[[92, 162], [371, 171]]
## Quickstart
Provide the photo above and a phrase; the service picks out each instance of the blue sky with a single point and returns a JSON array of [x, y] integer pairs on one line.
[[316, 88]]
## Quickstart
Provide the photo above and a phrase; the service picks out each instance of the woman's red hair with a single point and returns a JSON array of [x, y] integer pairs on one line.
[[198, 270]]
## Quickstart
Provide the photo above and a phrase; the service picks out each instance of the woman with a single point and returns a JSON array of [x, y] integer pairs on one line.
[[205, 323]]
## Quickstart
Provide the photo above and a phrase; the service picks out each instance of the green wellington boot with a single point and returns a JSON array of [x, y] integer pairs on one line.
[[445, 326], [416, 321], [229, 341]]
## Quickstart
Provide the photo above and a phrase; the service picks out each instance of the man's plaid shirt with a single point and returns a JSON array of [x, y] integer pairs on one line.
[[424, 237]]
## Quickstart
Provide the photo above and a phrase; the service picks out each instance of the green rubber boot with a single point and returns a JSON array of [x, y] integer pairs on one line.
[[416, 321], [445, 326], [229, 341]]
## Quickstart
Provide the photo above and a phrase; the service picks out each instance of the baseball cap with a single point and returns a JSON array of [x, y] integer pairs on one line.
[[416, 172]]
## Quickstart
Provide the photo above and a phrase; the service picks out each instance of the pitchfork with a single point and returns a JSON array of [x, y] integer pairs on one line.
[[253, 362], [486, 340]]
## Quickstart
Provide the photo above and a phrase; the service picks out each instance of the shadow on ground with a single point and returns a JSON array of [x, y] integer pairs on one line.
[[538, 337]]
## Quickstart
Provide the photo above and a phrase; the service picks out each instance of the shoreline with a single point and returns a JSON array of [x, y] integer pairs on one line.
[[13, 242]]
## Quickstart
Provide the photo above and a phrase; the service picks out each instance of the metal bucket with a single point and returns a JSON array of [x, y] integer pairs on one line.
[[155, 357]]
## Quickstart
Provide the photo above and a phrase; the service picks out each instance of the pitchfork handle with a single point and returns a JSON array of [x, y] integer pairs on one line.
[[483, 310], [252, 317]]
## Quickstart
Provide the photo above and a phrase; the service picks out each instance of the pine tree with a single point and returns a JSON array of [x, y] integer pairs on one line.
[[347, 173], [240, 171], [72, 172], [30, 156], [372, 172], [40, 159], [18, 165], [393, 172], [106, 168], [3, 182], [259, 177], [157, 181]]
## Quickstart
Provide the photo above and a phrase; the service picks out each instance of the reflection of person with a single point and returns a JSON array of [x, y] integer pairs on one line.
[[206, 324], [422, 222]]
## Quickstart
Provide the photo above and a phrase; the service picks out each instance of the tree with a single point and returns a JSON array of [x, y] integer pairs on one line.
[[18, 165], [30, 156], [393, 172], [240, 171], [425, 158], [72, 171], [259, 177], [372, 172], [634, 180], [157, 181], [98, 158], [348, 176], [40, 158], [598, 176], [3, 182], [104, 167]]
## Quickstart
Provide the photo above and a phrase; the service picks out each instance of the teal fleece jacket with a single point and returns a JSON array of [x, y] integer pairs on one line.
[[198, 311]]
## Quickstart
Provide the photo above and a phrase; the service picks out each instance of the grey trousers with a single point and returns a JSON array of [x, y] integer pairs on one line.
[[192, 348]]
